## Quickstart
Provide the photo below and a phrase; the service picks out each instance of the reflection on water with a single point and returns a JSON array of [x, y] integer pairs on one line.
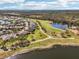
[[60, 26], [56, 52]]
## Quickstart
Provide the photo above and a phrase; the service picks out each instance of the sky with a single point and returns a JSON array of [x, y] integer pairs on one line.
[[39, 4]]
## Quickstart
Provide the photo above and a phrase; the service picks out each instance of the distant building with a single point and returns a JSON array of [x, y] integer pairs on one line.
[[75, 30], [7, 26]]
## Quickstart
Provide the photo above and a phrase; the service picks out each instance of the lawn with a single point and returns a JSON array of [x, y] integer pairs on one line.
[[36, 35], [48, 27]]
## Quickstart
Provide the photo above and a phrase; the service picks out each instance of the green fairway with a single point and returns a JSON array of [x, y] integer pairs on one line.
[[47, 26]]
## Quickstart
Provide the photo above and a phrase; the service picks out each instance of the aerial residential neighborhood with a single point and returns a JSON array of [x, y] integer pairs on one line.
[[39, 29], [8, 26], [21, 32]]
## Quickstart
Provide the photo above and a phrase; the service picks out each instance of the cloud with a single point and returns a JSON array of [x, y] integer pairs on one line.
[[58, 4], [40, 5], [66, 2], [11, 1]]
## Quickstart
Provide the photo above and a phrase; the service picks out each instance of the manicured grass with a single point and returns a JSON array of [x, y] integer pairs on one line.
[[48, 27], [36, 35]]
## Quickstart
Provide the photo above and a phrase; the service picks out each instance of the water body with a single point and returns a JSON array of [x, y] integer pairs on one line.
[[60, 26], [56, 52]]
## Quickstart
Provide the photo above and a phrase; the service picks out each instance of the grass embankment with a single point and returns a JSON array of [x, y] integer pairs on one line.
[[48, 27], [42, 44], [4, 54], [55, 41]]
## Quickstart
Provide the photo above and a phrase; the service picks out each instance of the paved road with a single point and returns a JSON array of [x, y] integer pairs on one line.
[[48, 36]]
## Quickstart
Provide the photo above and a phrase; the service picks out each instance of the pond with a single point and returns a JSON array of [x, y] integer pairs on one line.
[[60, 26], [56, 52]]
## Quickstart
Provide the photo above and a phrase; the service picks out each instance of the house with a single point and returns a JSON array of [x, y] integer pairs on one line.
[[75, 30]]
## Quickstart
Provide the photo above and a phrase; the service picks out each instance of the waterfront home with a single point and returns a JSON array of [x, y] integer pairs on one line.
[[5, 37], [22, 32], [75, 30], [8, 36]]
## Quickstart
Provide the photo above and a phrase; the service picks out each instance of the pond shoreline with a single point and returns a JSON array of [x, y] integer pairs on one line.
[[41, 48], [60, 26]]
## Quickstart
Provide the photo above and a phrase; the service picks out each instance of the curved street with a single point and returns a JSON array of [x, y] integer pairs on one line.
[[48, 36]]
